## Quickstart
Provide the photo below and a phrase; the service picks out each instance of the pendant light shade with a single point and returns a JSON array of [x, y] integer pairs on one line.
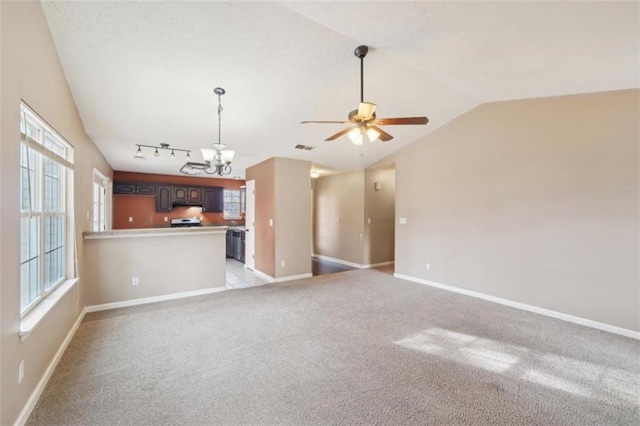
[[227, 155], [373, 135], [356, 136], [208, 154]]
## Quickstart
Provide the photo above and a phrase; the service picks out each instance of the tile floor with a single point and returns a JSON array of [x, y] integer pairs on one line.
[[240, 277]]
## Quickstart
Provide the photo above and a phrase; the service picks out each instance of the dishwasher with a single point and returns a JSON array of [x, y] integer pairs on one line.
[[237, 244]]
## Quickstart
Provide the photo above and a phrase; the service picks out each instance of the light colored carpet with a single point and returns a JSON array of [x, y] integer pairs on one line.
[[358, 347]]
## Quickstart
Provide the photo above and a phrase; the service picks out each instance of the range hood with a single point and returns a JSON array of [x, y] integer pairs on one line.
[[187, 203]]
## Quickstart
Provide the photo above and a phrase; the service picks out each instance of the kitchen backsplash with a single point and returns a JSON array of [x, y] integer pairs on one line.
[[139, 211]]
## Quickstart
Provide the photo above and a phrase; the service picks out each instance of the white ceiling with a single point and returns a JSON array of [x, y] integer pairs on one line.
[[144, 72]]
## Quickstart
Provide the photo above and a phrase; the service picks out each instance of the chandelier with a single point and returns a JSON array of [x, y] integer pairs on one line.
[[217, 160]]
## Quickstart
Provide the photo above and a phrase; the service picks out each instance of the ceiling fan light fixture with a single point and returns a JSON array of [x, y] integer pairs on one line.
[[373, 135], [366, 110], [356, 136], [365, 115]]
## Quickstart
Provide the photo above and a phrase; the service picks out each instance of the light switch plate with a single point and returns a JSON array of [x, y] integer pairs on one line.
[[403, 221]]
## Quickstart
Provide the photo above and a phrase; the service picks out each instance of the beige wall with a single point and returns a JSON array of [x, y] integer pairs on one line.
[[293, 217], [166, 264], [379, 213], [352, 198], [264, 176], [534, 201], [283, 194], [339, 216], [31, 71]]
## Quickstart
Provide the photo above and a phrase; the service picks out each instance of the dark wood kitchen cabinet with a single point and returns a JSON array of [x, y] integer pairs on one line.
[[213, 199], [124, 188], [191, 194], [134, 188], [164, 202], [146, 188]]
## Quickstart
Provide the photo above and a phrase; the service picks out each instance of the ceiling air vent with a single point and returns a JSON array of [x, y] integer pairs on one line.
[[304, 147]]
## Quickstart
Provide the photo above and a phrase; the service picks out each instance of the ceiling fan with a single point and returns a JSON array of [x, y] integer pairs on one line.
[[364, 124]]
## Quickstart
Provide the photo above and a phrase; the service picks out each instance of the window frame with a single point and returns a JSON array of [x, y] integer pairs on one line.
[[49, 151], [230, 201], [100, 184]]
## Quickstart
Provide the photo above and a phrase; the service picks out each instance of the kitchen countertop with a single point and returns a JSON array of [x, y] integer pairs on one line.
[[155, 232]]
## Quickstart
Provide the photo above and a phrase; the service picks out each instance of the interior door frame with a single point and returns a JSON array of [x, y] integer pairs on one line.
[[250, 224]]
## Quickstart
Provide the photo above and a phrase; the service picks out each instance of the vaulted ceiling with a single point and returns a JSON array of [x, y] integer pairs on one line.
[[144, 72]]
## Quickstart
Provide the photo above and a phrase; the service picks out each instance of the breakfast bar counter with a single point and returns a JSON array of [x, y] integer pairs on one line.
[[130, 266], [154, 232]]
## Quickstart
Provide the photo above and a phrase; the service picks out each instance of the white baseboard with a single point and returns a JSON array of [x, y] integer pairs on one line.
[[35, 395], [260, 274], [143, 301], [374, 265], [293, 277], [542, 311], [352, 264], [271, 279]]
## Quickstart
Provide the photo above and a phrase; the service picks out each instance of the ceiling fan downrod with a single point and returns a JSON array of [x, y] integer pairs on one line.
[[361, 52]]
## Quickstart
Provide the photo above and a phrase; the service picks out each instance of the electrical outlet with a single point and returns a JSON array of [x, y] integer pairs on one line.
[[130, 219], [428, 266], [166, 219], [337, 220], [21, 371], [135, 281], [282, 263]]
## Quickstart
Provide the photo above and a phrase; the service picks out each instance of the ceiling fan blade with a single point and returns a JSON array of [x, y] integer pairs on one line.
[[384, 136], [337, 122], [340, 133], [403, 120], [366, 110]]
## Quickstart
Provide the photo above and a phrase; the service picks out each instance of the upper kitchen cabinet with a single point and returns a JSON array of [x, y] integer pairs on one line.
[[129, 188], [190, 194], [164, 203], [213, 199]]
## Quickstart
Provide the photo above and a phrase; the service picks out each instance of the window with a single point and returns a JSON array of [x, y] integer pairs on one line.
[[231, 204], [46, 161], [99, 217]]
